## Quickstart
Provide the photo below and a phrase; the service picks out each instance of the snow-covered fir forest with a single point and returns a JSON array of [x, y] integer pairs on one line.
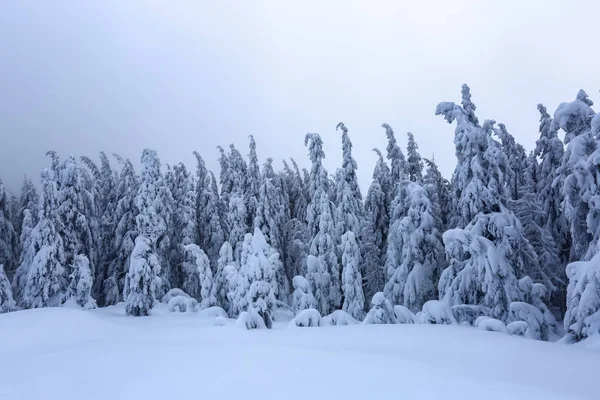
[[509, 242]]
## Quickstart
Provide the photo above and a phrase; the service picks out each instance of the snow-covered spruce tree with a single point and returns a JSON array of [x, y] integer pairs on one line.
[[270, 216], [414, 163], [417, 241], [43, 258], [183, 226], [75, 228], [317, 181], [221, 284], [7, 303], [102, 221], [575, 119], [261, 297], [123, 236], [442, 188], [210, 213], [491, 246], [301, 199], [29, 200], [582, 318], [349, 206], [154, 203], [517, 160], [319, 279], [25, 255], [323, 247], [354, 299], [397, 159], [80, 283], [296, 240], [303, 298], [376, 226], [550, 149], [142, 279], [8, 237], [253, 183], [547, 269], [239, 283], [236, 218], [197, 280]]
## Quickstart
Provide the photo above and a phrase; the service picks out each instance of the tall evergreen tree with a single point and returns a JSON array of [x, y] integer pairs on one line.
[[270, 217], [123, 241], [43, 259], [253, 181], [8, 236], [414, 163], [354, 299], [550, 149]]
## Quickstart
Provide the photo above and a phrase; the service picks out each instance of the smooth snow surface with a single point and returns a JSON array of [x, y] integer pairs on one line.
[[62, 354]]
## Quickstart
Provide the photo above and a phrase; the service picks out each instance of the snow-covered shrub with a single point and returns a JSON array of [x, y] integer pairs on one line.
[[173, 293], [178, 303], [250, 320], [493, 325], [479, 320], [307, 318], [192, 305], [537, 327], [469, 313], [7, 303], [338, 317], [381, 311], [404, 315], [517, 328], [213, 312], [220, 321], [80, 286], [437, 312], [303, 298]]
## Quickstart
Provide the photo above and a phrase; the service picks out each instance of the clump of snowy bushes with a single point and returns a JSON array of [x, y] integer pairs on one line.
[[307, 318], [339, 317]]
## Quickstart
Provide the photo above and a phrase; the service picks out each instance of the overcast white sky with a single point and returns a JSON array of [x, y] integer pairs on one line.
[[83, 76]]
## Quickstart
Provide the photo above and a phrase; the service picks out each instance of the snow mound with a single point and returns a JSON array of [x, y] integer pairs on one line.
[[492, 325], [517, 328], [404, 315], [250, 320], [479, 320], [307, 318], [213, 312], [183, 304], [381, 311], [537, 328], [338, 317], [437, 312], [173, 293], [469, 313], [221, 321]]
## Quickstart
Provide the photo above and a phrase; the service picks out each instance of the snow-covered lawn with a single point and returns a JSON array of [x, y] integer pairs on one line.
[[62, 353]]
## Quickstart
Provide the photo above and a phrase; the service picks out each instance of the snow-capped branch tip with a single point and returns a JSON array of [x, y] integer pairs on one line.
[[55, 159], [378, 152], [388, 130], [543, 112], [311, 136], [583, 96], [199, 159], [342, 127], [119, 159], [91, 166]]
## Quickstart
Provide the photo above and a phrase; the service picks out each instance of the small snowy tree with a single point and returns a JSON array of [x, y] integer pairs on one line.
[[381, 311], [221, 286], [319, 278], [8, 235], [303, 298], [354, 300], [80, 286], [142, 279], [7, 303], [261, 298], [253, 181], [197, 276]]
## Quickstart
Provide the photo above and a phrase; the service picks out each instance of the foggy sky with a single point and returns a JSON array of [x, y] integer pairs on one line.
[[79, 77]]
